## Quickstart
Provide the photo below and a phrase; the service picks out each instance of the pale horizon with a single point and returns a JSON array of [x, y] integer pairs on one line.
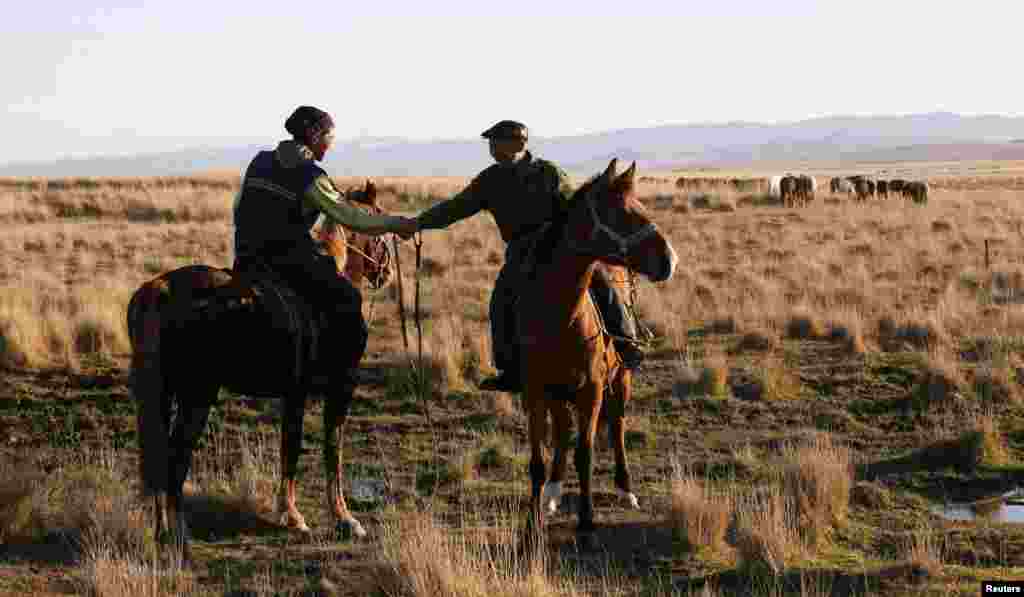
[[123, 78]]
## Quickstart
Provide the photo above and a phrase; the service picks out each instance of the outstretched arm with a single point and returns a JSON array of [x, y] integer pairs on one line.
[[323, 196], [466, 203]]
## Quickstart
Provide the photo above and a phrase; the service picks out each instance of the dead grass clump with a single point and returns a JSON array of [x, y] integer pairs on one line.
[[756, 340], [994, 384], [710, 380], [772, 380], [722, 325], [871, 496], [984, 444], [940, 380], [766, 538], [697, 514], [910, 335], [109, 573], [804, 325], [924, 549], [22, 506], [941, 226], [817, 477], [421, 558]]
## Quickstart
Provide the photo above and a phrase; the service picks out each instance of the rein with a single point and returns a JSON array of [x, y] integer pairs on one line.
[[622, 243]]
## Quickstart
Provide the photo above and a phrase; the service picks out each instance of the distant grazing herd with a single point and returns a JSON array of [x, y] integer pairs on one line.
[[799, 190]]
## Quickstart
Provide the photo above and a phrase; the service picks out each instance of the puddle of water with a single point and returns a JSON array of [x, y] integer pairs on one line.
[[370, 490], [1008, 507]]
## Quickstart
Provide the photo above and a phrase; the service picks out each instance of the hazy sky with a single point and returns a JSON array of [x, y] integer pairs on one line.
[[96, 78]]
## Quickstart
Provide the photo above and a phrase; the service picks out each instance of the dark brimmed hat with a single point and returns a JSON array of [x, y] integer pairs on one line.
[[507, 129], [307, 123]]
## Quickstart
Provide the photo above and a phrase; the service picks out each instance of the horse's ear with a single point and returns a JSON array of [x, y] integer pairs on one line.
[[627, 176], [609, 173], [370, 192]]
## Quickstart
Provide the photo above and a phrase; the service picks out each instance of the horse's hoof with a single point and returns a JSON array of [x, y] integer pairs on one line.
[[631, 500], [349, 528], [552, 496], [296, 523]]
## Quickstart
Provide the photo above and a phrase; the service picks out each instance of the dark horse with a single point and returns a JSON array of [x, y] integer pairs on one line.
[[567, 359], [197, 329]]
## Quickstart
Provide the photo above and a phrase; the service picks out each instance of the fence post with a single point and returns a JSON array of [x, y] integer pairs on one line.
[[986, 254]]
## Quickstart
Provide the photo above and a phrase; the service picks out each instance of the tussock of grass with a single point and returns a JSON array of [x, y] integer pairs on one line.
[[756, 340], [22, 505], [766, 538], [817, 477], [804, 325], [108, 572], [984, 443], [710, 380], [698, 514], [422, 558], [940, 380]]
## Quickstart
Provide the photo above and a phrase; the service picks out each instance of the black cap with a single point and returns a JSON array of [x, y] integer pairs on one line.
[[306, 122], [506, 129]]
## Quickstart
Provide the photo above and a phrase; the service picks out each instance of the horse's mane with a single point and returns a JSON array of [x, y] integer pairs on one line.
[[545, 245]]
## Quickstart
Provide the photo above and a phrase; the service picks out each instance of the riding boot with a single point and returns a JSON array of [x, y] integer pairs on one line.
[[617, 320]]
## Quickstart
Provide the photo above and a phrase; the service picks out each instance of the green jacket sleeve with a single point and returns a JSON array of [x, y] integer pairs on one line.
[[559, 181], [469, 201], [323, 196]]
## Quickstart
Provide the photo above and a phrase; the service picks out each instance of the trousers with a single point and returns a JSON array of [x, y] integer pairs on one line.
[[504, 335]]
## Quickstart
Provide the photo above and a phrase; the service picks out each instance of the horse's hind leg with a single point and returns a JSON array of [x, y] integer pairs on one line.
[[335, 412], [193, 412], [291, 447], [588, 408], [562, 435], [616, 407]]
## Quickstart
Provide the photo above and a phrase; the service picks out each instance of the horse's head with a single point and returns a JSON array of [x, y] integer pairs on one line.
[[608, 223], [360, 256]]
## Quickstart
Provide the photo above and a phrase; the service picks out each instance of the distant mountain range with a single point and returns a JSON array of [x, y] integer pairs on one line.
[[937, 136]]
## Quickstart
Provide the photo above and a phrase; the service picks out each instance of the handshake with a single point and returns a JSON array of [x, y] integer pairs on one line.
[[405, 227]]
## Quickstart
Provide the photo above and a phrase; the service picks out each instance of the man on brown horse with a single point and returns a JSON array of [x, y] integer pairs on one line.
[[282, 194], [522, 193]]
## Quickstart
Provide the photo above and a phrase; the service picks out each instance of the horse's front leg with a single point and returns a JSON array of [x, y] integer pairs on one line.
[[562, 435], [335, 412], [616, 407], [291, 447], [537, 410], [588, 408]]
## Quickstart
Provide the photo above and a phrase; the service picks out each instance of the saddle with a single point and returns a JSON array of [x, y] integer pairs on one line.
[[257, 288]]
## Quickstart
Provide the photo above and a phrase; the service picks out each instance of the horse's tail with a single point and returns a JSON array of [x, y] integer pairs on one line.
[[147, 385]]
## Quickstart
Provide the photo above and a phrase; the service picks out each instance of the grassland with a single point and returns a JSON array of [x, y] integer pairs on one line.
[[822, 379]]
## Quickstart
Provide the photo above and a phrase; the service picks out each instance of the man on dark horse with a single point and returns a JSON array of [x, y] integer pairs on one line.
[[282, 194], [523, 192]]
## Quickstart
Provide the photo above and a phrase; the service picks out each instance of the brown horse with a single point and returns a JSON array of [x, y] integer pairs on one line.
[[197, 329], [567, 360]]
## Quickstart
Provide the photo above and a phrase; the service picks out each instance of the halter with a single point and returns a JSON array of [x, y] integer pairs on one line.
[[621, 242]]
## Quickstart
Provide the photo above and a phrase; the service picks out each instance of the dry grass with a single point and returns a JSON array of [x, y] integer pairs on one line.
[[817, 477], [422, 558], [766, 533], [984, 443], [698, 514], [941, 380], [924, 551]]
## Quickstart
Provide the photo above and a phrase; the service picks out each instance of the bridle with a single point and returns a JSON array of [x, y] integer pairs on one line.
[[621, 243]]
